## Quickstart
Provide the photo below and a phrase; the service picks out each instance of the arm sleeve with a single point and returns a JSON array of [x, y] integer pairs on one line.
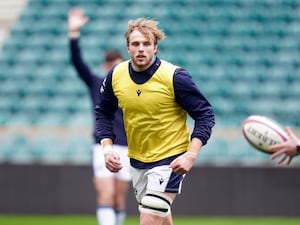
[[105, 110], [190, 98], [81, 67]]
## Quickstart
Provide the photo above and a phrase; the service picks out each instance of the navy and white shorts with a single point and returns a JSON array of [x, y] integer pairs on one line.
[[159, 178]]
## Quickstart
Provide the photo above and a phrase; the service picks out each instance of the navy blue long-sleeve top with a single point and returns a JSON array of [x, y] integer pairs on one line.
[[94, 83], [187, 95]]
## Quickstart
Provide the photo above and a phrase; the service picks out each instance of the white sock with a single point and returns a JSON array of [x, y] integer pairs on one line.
[[106, 215], [120, 217]]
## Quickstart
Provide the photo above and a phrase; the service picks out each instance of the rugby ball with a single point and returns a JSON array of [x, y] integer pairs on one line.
[[262, 132]]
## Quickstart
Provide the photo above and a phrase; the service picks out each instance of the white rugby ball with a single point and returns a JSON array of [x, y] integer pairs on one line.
[[262, 132]]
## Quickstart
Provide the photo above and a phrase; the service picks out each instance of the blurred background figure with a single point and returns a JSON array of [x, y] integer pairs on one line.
[[111, 188]]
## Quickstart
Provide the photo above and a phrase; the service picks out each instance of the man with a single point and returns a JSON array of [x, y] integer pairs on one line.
[[111, 188], [288, 149], [155, 97]]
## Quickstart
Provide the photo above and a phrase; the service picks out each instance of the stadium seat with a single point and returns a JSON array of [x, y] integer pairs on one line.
[[78, 149], [15, 150], [244, 56], [48, 149]]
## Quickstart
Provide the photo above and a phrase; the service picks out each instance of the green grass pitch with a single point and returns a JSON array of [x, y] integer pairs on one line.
[[178, 220]]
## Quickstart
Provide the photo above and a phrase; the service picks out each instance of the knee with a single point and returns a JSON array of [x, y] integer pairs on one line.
[[156, 203], [105, 197]]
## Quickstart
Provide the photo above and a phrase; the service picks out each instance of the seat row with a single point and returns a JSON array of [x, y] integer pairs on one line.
[[45, 149], [74, 149]]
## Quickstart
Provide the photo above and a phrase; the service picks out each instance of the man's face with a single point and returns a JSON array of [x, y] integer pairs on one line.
[[141, 50]]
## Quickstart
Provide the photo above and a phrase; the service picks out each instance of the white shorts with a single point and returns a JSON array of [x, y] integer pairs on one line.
[[160, 178], [100, 169]]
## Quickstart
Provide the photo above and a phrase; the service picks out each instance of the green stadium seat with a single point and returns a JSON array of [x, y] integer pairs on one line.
[[242, 54], [48, 149], [15, 149], [79, 149]]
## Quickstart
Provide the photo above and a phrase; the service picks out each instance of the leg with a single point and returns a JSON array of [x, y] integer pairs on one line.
[[156, 189], [105, 191], [121, 190], [122, 183], [150, 218], [104, 183], [105, 200]]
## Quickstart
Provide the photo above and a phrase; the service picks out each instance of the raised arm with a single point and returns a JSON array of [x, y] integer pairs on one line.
[[76, 20]]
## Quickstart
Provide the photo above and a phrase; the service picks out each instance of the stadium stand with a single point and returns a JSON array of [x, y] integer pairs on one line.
[[243, 54]]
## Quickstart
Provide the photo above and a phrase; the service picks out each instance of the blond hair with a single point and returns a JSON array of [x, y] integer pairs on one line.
[[148, 27]]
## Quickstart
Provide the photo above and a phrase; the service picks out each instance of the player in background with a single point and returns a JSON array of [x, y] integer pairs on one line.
[[111, 188], [288, 149], [156, 97]]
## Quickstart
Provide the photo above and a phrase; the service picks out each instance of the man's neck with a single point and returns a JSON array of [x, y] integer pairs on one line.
[[138, 70]]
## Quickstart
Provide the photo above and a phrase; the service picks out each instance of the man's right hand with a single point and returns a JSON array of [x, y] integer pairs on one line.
[[287, 149], [76, 19], [112, 161]]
